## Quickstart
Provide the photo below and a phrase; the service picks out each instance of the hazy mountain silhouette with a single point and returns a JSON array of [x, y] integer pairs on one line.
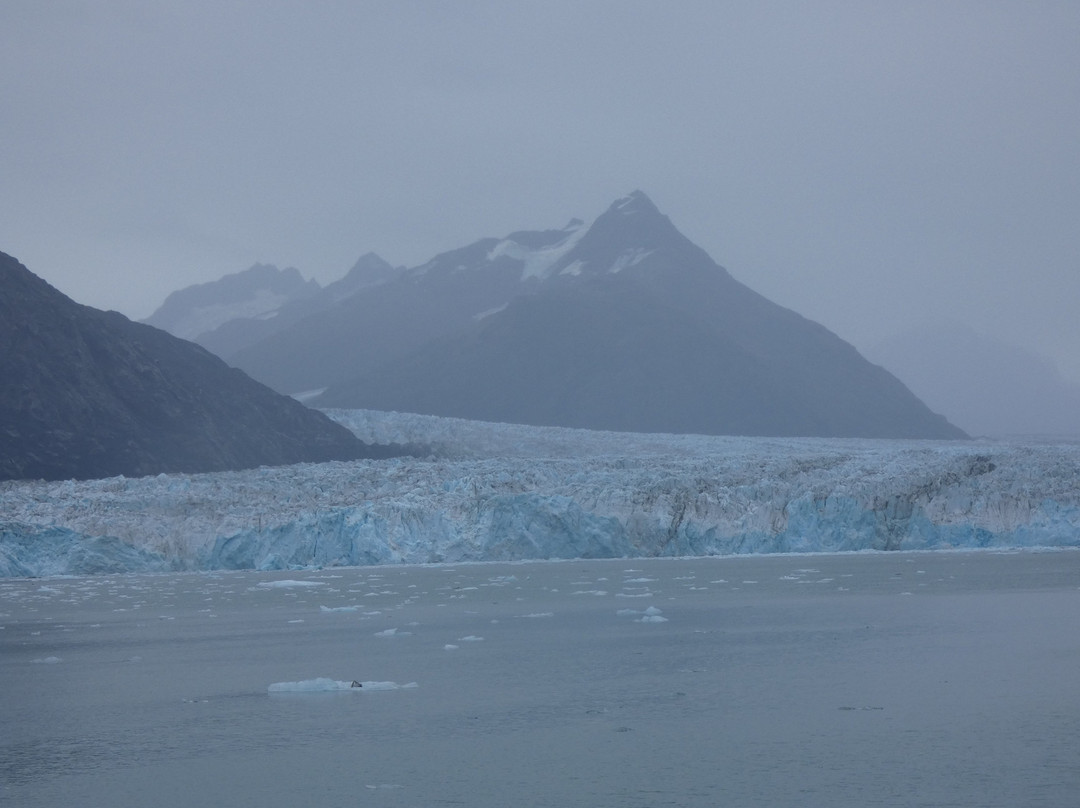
[[238, 310], [622, 324], [256, 293], [87, 393], [986, 386], [627, 325]]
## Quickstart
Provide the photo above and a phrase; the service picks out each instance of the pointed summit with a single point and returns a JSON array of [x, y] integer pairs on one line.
[[635, 222], [369, 270], [636, 203], [627, 232]]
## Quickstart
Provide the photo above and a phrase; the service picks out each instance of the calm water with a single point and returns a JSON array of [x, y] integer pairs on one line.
[[861, 680]]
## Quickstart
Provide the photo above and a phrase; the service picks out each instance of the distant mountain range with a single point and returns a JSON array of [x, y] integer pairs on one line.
[[227, 315], [86, 393], [623, 324]]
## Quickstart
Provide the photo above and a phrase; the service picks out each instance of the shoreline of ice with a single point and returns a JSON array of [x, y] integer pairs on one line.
[[501, 493]]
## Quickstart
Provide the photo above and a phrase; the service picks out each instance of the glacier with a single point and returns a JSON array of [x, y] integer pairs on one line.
[[500, 492]]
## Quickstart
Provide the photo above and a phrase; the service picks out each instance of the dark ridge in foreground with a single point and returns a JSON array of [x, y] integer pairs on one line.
[[88, 394]]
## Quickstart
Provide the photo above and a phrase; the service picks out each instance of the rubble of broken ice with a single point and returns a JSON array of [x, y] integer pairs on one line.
[[496, 492]]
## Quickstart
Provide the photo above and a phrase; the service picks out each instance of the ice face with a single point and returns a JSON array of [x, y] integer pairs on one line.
[[497, 492]]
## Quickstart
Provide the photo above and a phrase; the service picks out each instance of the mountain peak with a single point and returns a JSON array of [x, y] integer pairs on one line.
[[369, 265], [256, 292], [628, 231], [636, 203], [369, 270]]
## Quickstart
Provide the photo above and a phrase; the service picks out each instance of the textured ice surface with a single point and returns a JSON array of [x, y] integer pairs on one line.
[[496, 492]]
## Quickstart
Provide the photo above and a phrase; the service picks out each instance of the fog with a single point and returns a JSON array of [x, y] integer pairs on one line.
[[869, 165]]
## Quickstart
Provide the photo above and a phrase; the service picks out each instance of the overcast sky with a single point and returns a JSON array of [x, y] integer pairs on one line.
[[872, 165]]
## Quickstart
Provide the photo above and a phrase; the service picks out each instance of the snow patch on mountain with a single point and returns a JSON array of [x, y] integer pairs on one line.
[[481, 315], [630, 204], [256, 293], [262, 305], [629, 259], [539, 262]]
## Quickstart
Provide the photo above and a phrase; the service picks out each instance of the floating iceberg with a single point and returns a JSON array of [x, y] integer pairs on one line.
[[325, 685], [288, 584]]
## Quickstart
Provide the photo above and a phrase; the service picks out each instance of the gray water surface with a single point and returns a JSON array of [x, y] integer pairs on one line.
[[936, 679]]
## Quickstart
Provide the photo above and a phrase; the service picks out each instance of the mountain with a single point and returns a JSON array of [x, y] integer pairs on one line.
[[87, 393], [256, 293], [987, 386], [229, 314], [623, 324]]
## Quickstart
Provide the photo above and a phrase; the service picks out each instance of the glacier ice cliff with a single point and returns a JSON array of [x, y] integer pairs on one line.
[[496, 492]]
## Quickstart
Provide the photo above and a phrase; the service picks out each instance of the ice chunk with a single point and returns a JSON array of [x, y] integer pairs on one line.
[[326, 685], [289, 584], [650, 615]]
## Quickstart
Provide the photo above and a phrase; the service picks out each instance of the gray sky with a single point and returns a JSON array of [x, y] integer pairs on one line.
[[869, 164]]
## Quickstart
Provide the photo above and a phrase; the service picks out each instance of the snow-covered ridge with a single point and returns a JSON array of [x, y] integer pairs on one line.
[[538, 263], [262, 305], [501, 492]]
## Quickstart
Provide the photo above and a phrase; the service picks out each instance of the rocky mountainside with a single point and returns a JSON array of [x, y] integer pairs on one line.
[[623, 324], [86, 393]]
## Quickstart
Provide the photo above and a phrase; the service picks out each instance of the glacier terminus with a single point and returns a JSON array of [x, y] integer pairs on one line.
[[498, 492]]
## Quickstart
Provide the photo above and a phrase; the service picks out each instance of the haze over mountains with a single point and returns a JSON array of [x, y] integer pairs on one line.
[[623, 324], [87, 393], [985, 386], [238, 310]]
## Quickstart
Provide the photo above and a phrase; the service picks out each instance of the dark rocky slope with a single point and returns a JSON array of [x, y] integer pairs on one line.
[[86, 393]]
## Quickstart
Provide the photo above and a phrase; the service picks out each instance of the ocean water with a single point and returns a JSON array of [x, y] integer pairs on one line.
[[931, 679]]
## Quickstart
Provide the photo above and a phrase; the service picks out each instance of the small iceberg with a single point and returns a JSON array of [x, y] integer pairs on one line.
[[325, 685], [288, 584], [650, 615]]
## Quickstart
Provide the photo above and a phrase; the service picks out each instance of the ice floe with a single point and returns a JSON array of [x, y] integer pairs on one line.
[[326, 685]]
